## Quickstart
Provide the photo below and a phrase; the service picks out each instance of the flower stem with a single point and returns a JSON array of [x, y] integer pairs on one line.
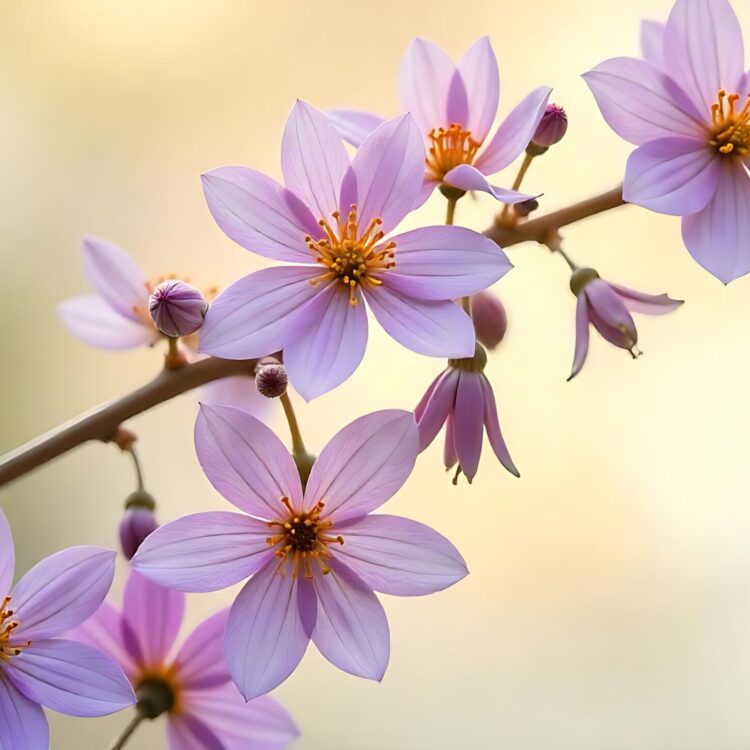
[[126, 733], [527, 159], [174, 359], [137, 465], [451, 210], [298, 446]]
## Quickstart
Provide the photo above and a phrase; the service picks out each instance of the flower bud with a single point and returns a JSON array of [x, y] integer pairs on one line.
[[271, 379], [552, 127], [177, 308], [525, 208], [580, 277], [137, 523], [490, 319]]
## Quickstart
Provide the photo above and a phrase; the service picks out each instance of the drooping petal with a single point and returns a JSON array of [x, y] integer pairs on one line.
[[641, 103], [313, 159], [647, 304], [433, 328], [703, 49], [608, 314], [582, 336], [420, 407], [468, 421], [265, 639], [450, 457], [62, 590], [245, 461], [398, 556], [364, 464], [200, 661], [188, 732], [204, 551], [515, 133], [466, 177], [354, 126], [438, 407], [424, 79], [94, 322], [71, 678], [7, 555], [492, 426], [23, 725], [445, 262], [326, 342], [352, 629], [389, 170], [250, 317], [652, 42], [259, 214], [115, 277], [478, 68]]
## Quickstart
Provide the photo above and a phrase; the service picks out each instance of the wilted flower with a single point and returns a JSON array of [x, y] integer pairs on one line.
[[191, 685], [489, 317], [332, 217], [687, 108], [317, 556], [608, 306], [454, 107], [36, 668], [461, 398], [177, 308], [552, 128]]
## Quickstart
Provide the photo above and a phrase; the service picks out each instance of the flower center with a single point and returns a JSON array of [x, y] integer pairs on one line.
[[730, 132], [349, 256], [157, 694], [449, 149], [302, 540], [7, 626]]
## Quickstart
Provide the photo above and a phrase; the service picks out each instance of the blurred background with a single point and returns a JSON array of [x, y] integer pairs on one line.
[[607, 605]]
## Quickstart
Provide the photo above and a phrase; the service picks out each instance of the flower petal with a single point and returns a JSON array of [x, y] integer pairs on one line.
[[246, 462], [642, 103], [238, 391], [433, 328], [457, 103], [481, 78], [466, 177], [23, 725], [7, 555], [652, 42], [94, 322], [703, 49], [187, 732], [326, 341], [445, 262], [62, 591], [351, 630], [582, 336], [250, 317], [468, 421], [717, 237], [515, 133], [398, 556], [204, 551], [200, 662], [492, 426], [71, 678], [354, 126], [609, 316], [438, 407], [450, 457], [647, 304], [265, 639], [313, 159], [364, 464], [258, 213]]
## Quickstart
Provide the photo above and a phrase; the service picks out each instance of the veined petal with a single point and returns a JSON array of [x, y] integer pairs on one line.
[[647, 304], [641, 103], [432, 327], [200, 662], [354, 126], [438, 407], [245, 461], [204, 551], [676, 176], [7, 555], [250, 317], [468, 422], [492, 426], [399, 556], [466, 177], [652, 42], [582, 335], [259, 214], [188, 732], [609, 315], [62, 590], [478, 68], [450, 457], [457, 103], [313, 159], [23, 725], [515, 133], [363, 465], [420, 407], [326, 341]]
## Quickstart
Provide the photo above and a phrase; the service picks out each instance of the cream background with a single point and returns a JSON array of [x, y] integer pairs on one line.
[[608, 601]]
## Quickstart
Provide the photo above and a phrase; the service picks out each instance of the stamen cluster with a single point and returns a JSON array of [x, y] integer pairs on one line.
[[449, 149], [7, 627], [730, 133]]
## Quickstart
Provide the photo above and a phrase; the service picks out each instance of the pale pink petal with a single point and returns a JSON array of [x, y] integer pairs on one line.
[[609, 315], [457, 103], [420, 407], [652, 42], [647, 304], [364, 464], [200, 662], [467, 177], [354, 126], [450, 457], [438, 407], [582, 335], [492, 426], [7, 555], [468, 421], [480, 75], [23, 725]]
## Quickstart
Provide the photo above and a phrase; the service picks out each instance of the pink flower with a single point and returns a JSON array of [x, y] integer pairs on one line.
[[190, 685], [608, 306], [315, 554], [461, 398], [37, 668], [454, 107], [687, 108], [331, 221]]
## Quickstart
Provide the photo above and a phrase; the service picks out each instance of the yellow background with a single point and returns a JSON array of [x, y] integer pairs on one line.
[[607, 605]]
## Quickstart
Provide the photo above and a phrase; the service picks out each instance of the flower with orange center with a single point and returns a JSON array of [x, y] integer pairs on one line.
[[730, 133]]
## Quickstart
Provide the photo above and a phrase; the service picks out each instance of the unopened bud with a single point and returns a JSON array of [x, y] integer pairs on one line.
[[525, 208], [580, 277], [137, 523], [177, 308], [490, 318], [271, 379], [552, 127]]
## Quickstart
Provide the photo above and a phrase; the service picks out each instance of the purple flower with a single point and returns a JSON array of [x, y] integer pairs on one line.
[[191, 685], [608, 306], [461, 398], [552, 128], [332, 217], [315, 555], [36, 668], [687, 108], [454, 107], [177, 308]]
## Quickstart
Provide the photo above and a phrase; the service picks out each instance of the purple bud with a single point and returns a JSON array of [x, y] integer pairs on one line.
[[271, 379], [525, 208], [490, 319], [137, 523], [552, 127], [177, 308]]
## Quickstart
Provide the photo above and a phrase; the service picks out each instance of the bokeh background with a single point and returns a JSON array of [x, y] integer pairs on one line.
[[607, 605]]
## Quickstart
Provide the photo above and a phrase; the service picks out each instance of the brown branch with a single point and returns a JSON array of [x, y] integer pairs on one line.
[[102, 422]]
